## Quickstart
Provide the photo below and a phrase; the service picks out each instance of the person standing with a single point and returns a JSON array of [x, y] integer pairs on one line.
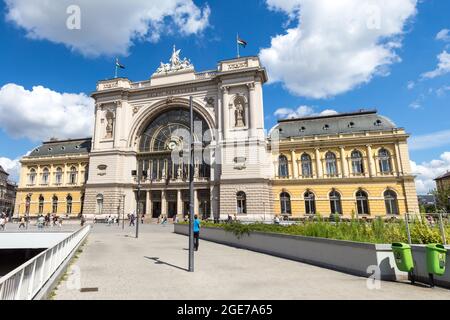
[[22, 223], [197, 225], [132, 219], [2, 222]]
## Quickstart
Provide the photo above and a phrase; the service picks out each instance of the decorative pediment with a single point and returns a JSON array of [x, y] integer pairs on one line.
[[176, 64]]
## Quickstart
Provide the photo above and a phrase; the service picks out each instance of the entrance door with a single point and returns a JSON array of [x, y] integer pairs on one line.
[[185, 208], [156, 209], [172, 206]]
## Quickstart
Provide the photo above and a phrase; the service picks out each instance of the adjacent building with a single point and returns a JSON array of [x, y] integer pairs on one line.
[[355, 163], [53, 178], [443, 182], [7, 193]]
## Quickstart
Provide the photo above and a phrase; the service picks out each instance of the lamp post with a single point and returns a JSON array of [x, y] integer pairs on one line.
[[138, 174], [123, 211], [191, 190]]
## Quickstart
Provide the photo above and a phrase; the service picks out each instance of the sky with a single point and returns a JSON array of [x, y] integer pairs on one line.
[[322, 56]]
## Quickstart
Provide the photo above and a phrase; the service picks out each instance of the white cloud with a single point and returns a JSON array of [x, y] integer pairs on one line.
[[108, 27], [441, 92], [443, 35], [442, 68], [12, 167], [411, 85], [41, 113], [336, 45], [302, 111], [429, 141], [428, 171]]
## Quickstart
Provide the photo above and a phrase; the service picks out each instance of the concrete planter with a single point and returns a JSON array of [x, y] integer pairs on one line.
[[350, 257]]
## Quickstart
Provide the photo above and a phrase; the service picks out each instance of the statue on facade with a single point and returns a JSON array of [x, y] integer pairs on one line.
[[109, 127], [239, 114], [176, 64]]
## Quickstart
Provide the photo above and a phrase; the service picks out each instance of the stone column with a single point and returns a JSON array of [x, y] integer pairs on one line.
[[149, 204], [370, 160], [398, 159], [319, 171], [179, 203], [117, 123], [226, 112], [294, 164], [253, 110], [344, 163], [163, 203]]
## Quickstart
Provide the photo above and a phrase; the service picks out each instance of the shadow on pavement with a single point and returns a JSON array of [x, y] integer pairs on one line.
[[157, 261]]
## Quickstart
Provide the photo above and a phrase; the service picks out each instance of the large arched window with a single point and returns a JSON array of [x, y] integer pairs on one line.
[[335, 202], [99, 204], [357, 163], [285, 202], [241, 202], [390, 200], [45, 176], [73, 175], [41, 204], [283, 167], [306, 166], [310, 202], [331, 164], [32, 177], [55, 204], [384, 159], [362, 202], [69, 204], [58, 176]]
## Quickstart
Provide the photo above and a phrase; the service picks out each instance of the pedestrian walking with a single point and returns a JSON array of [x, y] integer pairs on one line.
[[142, 218], [2, 222], [83, 220], [22, 223], [132, 219], [197, 225]]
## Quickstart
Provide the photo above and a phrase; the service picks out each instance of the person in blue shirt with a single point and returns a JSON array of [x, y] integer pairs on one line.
[[196, 232]]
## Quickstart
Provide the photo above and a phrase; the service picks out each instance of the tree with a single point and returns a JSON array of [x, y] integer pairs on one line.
[[442, 197]]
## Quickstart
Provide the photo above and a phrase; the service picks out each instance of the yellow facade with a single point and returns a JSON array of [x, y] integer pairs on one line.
[[52, 183], [375, 182]]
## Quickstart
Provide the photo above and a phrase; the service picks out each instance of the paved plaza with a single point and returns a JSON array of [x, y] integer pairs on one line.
[[154, 267]]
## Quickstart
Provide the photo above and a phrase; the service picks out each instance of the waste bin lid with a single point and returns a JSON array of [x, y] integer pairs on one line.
[[398, 245], [436, 246]]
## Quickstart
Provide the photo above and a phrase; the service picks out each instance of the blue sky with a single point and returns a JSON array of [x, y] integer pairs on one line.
[[35, 53]]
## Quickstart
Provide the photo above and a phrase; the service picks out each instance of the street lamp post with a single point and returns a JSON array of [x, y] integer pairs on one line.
[[138, 174], [191, 190], [123, 211]]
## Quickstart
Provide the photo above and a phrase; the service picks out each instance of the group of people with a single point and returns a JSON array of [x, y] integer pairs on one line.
[[3, 221], [47, 221]]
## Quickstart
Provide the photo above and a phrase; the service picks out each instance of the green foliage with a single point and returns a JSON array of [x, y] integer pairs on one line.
[[359, 230]]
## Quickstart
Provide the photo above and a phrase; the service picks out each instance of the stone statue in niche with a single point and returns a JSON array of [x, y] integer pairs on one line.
[[109, 127], [239, 113]]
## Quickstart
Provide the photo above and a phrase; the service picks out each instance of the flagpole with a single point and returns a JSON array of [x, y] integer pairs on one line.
[[115, 77], [237, 45]]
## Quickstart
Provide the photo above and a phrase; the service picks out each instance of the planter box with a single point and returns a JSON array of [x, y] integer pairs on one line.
[[345, 256]]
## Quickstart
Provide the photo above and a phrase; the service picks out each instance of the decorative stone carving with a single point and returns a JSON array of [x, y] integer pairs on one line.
[[239, 112], [175, 65], [109, 125], [209, 102]]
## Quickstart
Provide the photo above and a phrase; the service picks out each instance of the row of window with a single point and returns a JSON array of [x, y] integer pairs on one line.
[[55, 204], [362, 203], [45, 176], [357, 164]]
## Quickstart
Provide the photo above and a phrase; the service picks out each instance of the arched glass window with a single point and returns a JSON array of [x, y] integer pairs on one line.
[[32, 177], [362, 202], [310, 203], [41, 204], [306, 166], [69, 204], [335, 202], [384, 158], [73, 175], [285, 202], [45, 176], [357, 163], [55, 204], [99, 204], [390, 200], [58, 176], [241, 202], [330, 159], [283, 167]]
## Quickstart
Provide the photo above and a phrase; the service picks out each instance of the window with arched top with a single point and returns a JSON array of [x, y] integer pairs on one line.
[[45, 176], [285, 202], [310, 202], [283, 167], [384, 159], [99, 204], [241, 202], [55, 204], [335, 202], [331, 164], [306, 166], [73, 175], [391, 203], [58, 176], [362, 202], [357, 163], [41, 204], [32, 176], [69, 204]]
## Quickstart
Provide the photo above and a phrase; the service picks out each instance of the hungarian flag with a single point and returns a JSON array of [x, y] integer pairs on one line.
[[241, 42], [118, 65]]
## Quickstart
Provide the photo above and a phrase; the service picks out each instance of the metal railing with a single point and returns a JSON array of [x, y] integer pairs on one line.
[[27, 280]]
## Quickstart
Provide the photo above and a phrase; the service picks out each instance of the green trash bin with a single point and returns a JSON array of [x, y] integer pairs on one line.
[[403, 257], [436, 259]]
